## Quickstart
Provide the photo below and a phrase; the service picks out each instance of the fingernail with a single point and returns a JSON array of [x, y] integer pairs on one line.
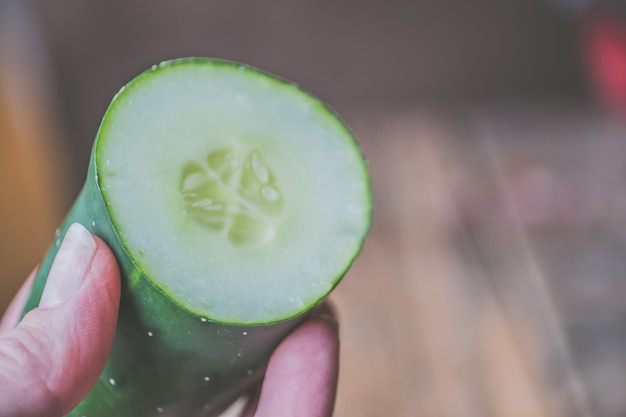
[[69, 266]]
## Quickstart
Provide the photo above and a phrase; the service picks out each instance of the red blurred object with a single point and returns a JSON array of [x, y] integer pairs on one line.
[[604, 38]]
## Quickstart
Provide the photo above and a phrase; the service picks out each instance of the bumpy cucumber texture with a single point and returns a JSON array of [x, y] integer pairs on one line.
[[234, 202]]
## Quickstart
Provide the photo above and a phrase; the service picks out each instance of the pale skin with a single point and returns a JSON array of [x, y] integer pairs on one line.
[[52, 357]]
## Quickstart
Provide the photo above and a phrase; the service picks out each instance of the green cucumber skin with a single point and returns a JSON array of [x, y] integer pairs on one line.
[[161, 353]]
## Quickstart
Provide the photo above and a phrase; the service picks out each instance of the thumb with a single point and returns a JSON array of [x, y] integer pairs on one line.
[[55, 355]]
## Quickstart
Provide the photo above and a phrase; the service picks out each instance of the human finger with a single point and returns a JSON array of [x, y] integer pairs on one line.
[[301, 378], [55, 355]]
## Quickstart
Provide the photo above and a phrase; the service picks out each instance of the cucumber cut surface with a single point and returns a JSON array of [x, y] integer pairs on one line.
[[235, 193]]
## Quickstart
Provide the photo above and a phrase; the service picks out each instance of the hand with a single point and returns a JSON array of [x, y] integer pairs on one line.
[[301, 378], [52, 358]]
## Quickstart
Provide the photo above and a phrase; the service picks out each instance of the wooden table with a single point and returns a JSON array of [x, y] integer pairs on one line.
[[492, 282]]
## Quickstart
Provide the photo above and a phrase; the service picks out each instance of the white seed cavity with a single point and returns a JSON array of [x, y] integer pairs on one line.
[[93, 223], [159, 409], [270, 194], [203, 320], [205, 203], [111, 381], [150, 334], [193, 180], [207, 379], [245, 333], [261, 173]]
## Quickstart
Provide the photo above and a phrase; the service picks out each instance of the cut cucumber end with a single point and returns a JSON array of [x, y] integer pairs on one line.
[[240, 196]]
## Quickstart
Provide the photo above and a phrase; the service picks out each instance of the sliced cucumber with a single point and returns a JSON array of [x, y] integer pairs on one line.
[[234, 202]]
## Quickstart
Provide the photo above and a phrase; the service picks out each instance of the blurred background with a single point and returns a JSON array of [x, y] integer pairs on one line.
[[492, 282]]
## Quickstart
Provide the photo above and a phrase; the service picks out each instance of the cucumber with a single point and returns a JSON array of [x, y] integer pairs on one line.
[[234, 202]]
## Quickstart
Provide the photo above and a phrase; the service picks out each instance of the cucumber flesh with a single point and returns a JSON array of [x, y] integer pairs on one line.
[[240, 196]]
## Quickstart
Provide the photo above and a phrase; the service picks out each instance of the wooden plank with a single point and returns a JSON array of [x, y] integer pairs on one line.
[[518, 286], [407, 349]]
